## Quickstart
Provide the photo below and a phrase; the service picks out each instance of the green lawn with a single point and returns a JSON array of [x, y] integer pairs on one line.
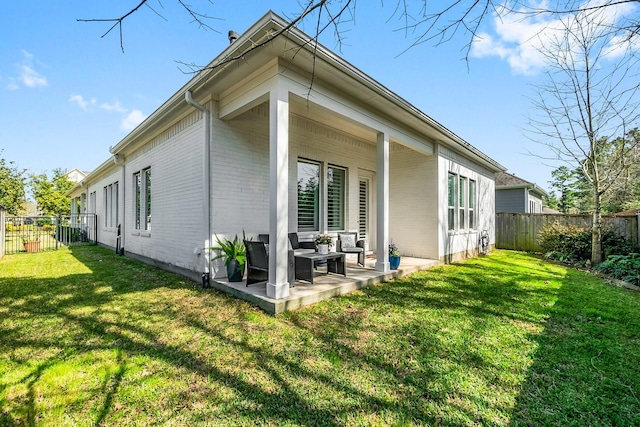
[[89, 338]]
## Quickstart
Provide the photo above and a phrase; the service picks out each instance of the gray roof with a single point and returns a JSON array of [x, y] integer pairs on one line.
[[507, 180]]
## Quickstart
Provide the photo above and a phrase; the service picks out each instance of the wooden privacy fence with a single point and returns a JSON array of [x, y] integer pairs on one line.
[[519, 232]]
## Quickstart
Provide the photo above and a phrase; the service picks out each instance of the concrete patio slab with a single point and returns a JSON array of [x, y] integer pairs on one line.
[[325, 286]]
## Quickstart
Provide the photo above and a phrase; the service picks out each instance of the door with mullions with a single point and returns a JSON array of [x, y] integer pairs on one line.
[[363, 210]]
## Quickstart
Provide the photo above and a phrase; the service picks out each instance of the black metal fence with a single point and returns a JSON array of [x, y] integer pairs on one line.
[[46, 233]]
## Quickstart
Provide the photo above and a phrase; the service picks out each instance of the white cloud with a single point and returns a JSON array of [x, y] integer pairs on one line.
[[130, 118], [29, 77], [12, 85], [82, 103], [116, 106], [133, 119], [517, 39]]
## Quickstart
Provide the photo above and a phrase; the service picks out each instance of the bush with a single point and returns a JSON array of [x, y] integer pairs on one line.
[[623, 267], [612, 244], [566, 243], [11, 227], [572, 244], [43, 221]]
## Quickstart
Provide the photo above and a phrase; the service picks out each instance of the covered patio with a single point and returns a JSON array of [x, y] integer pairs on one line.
[[325, 286]]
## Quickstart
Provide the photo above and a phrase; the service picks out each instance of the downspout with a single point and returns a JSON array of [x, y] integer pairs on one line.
[[206, 173], [121, 227]]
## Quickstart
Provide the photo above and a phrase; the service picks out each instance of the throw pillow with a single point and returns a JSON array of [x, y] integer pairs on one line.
[[347, 241]]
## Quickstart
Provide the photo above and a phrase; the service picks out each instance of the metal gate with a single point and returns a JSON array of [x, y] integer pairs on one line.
[[47, 233]]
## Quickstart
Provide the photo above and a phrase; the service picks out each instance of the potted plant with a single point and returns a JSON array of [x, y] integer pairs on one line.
[[323, 242], [31, 243], [394, 256], [235, 255]]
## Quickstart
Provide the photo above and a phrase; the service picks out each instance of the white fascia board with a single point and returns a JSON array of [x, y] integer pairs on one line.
[[248, 93]]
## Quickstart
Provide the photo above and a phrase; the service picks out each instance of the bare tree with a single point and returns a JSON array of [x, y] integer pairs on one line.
[[589, 103], [422, 21]]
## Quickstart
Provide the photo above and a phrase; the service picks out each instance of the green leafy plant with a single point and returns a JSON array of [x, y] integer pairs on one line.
[[231, 249], [572, 244], [324, 239], [622, 267], [393, 250]]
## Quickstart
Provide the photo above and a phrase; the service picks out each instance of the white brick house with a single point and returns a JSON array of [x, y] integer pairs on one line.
[[230, 149]]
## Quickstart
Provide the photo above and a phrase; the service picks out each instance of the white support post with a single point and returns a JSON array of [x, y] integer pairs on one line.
[[382, 212], [278, 285]]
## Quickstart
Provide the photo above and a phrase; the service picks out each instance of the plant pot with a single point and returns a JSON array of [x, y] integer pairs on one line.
[[32, 246], [235, 271], [323, 249], [394, 262]]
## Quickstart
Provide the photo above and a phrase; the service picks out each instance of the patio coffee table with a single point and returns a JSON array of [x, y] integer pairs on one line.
[[305, 263]]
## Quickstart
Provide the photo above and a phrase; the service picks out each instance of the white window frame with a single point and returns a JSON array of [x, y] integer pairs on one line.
[[342, 204], [322, 208], [473, 203], [142, 200], [464, 203]]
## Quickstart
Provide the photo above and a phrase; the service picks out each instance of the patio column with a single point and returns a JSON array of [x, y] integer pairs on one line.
[[382, 198], [277, 285]]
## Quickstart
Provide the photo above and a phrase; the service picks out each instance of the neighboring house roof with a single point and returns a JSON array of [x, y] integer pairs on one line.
[[548, 210], [630, 212], [76, 175], [506, 180]]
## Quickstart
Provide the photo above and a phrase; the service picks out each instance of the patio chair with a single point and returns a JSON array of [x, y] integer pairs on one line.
[[348, 243], [258, 261]]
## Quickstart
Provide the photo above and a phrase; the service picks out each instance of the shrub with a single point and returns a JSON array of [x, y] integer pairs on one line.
[[613, 244], [572, 242], [48, 227], [623, 267], [43, 221], [11, 227]]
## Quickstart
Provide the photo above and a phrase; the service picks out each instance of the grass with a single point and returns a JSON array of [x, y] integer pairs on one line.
[[89, 338]]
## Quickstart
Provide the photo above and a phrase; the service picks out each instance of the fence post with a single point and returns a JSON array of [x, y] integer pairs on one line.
[[3, 230], [638, 226]]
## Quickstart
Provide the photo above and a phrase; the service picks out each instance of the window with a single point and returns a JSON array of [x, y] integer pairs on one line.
[[142, 194], [312, 206], [335, 198], [472, 204], [106, 204], [92, 202], [461, 200], [453, 189], [111, 205], [462, 203], [137, 191], [308, 196], [115, 204], [147, 193]]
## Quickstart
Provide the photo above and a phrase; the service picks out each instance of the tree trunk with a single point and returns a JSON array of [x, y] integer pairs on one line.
[[596, 231]]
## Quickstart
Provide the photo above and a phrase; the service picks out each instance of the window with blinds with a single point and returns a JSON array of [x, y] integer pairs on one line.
[[335, 198], [308, 196], [462, 202], [363, 211], [472, 204], [137, 189], [452, 201], [147, 197]]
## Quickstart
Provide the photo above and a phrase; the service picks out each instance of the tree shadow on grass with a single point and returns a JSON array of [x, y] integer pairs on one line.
[[168, 352], [120, 310]]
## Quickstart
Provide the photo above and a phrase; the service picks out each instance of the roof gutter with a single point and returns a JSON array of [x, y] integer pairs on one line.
[[206, 177]]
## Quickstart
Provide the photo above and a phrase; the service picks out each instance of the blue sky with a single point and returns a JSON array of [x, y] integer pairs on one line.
[[67, 94]]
